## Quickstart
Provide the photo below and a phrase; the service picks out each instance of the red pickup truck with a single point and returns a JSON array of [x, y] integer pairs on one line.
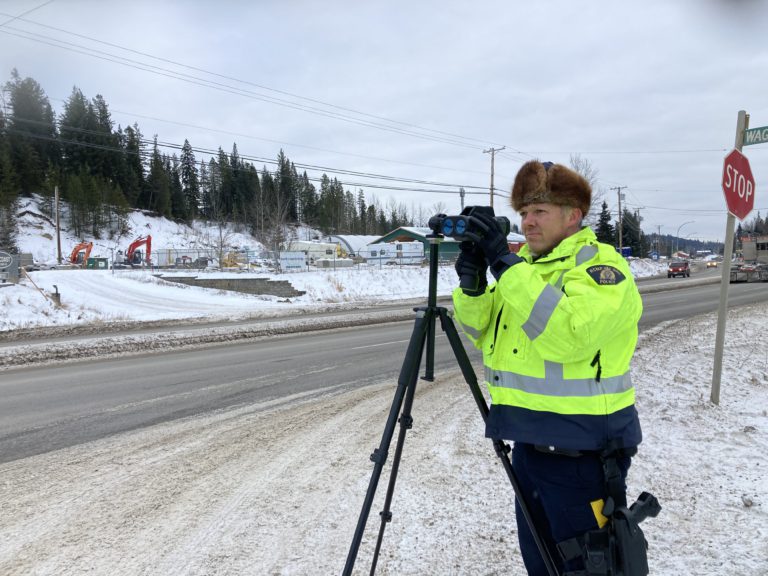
[[679, 269]]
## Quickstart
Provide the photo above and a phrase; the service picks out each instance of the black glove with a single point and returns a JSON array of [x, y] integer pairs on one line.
[[471, 267], [485, 231]]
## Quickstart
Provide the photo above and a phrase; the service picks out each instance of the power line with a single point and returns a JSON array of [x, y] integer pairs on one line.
[[213, 154], [260, 86], [19, 17], [232, 89], [251, 137]]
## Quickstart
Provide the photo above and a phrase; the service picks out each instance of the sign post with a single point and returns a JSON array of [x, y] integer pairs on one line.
[[739, 189]]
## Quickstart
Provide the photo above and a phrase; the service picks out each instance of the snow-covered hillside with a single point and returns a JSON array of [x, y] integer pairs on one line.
[[37, 234]]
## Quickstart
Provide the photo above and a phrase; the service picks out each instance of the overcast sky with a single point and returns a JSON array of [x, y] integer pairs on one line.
[[418, 90]]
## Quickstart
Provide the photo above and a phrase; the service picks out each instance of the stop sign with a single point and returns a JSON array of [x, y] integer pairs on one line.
[[738, 184]]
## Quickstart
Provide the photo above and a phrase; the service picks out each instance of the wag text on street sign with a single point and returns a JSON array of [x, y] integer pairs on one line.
[[756, 136], [738, 184]]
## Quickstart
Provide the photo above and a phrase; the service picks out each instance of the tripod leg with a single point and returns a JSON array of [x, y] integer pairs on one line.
[[410, 371], [406, 387], [502, 449]]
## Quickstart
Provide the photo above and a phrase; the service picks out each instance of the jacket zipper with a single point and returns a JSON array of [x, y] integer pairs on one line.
[[596, 360], [496, 328]]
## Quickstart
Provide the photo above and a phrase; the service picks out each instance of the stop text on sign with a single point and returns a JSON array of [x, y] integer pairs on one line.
[[738, 183]]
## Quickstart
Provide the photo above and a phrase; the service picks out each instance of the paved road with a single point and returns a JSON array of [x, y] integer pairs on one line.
[[48, 408]]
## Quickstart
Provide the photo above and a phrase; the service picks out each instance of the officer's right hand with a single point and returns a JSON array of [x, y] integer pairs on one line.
[[471, 266]]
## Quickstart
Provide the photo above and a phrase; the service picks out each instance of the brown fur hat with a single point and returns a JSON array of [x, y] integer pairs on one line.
[[538, 182]]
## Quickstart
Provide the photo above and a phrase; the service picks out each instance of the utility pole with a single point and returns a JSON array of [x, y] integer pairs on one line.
[[462, 193], [621, 234], [658, 239], [58, 224], [493, 155]]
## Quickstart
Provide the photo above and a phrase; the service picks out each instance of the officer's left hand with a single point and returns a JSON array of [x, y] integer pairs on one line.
[[487, 233]]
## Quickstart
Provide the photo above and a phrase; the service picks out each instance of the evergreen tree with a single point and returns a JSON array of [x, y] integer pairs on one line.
[[383, 226], [158, 184], [349, 222], [633, 236], [8, 194], [179, 207], [78, 124], [205, 191], [116, 214], [285, 186], [308, 202], [226, 186], [106, 154], [74, 195], [370, 220], [31, 133], [133, 183], [325, 207], [361, 213], [93, 203], [190, 185], [9, 186], [604, 229], [250, 179]]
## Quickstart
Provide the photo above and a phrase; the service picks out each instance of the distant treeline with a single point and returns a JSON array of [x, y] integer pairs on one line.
[[103, 171]]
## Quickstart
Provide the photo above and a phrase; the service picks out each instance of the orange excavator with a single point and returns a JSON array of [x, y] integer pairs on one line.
[[80, 253], [134, 256]]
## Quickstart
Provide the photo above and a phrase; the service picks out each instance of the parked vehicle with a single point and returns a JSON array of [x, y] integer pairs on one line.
[[394, 253], [133, 256], [80, 254], [749, 272], [681, 268]]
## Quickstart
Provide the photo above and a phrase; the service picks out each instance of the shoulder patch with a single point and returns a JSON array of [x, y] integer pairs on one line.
[[605, 275]]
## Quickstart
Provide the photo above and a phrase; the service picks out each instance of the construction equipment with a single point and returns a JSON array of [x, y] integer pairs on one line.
[[134, 256], [80, 253]]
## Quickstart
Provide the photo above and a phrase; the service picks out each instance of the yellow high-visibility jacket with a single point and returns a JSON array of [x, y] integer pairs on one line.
[[557, 336]]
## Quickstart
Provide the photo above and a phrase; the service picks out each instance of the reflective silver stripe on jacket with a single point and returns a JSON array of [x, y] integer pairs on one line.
[[585, 254], [474, 332], [553, 383], [542, 311]]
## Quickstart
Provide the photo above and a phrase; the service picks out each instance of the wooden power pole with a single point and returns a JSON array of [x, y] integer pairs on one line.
[[621, 233], [492, 151]]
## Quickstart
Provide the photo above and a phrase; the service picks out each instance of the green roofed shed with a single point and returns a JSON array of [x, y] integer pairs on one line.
[[447, 250]]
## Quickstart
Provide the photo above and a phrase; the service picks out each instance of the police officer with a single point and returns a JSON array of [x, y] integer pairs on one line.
[[557, 330]]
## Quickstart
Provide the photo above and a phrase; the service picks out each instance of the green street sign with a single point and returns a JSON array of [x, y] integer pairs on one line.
[[756, 136]]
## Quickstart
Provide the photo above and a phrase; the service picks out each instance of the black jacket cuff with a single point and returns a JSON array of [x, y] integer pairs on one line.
[[503, 264]]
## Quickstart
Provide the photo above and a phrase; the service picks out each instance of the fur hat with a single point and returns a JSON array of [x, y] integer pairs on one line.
[[538, 182]]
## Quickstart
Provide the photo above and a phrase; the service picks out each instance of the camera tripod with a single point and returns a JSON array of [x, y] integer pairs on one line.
[[424, 335]]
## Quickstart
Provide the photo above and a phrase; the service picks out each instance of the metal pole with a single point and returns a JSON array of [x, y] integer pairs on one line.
[[742, 123], [677, 235]]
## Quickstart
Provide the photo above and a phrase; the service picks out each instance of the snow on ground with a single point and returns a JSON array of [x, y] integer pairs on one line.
[[277, 488], [89, 296]]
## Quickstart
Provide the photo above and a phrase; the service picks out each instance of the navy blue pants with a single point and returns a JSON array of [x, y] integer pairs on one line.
[[558, 491]]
